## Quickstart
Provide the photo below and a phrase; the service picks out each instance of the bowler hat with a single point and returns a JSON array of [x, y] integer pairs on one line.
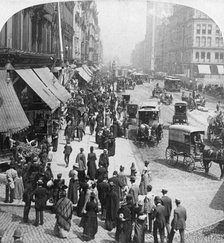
[[177, 201], [157, 199], [164, 191], [132, 178], [17, 233]]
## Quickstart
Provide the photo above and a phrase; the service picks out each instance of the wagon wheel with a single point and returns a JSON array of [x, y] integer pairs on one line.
[[189, 162], [171, 156]]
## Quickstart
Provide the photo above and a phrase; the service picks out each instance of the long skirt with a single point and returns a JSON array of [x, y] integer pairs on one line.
[[73, 190], [139, 236], [60, 232], [90, 227]]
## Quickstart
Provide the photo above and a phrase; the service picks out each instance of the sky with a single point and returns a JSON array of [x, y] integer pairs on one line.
[[122, 24]]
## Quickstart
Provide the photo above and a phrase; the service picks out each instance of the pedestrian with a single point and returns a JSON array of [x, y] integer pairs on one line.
[[178, 222], [111, 145], [54, 138], [63, 210], [218, 106], [48, 174], [67, 152], [17, 236], [101, 172], [123, 180], [103, 189], [73, 186], [140, 221], [68, 132], [118, 186], [149, 207], [1, 234], [81, 130], [92, 122], [104, 159], [143, 183], [41, 196], [134, 190], [19, 187], [81, 162], [159, 220], [50, 154], [91, 164], [133, 169], [11, 175], [27, 198], [58, 183], [124, 224], [81, 201], [167, 203], [112, 206], [91, 224]]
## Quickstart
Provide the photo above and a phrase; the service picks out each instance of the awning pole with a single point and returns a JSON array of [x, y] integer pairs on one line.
[[60, 33]]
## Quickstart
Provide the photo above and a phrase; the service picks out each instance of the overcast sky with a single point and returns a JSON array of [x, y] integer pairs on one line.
[[123, 24]]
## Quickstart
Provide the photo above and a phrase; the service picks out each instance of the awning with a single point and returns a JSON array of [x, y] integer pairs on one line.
[[204, 69], [89, 72], [83, 74], [220, 69], [53, 84], [12, 115], [37, 85], [93, 69]]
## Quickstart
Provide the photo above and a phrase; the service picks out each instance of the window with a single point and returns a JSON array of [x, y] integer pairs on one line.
[[221, 41], [203, 55], [197, 41], [209, 41], [221, 55], [198, 30], [204, 29], [203, 41], [216, 55], [209, 29], [217, 41], [197, 55], [217, 30], [208, 55]]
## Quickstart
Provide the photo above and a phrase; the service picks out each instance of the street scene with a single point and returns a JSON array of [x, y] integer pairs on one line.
[[111, 140]]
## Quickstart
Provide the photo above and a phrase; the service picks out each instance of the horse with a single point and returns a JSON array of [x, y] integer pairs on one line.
[[210, 155], [143, 132]]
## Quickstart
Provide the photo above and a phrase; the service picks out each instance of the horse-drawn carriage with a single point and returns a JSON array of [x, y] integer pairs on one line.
[[132, 110], [157, 92], [185, 141], [180, 112], [149, 128], [215, 126]]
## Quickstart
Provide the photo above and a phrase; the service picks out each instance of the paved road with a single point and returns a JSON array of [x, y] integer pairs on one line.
[[201, 195]]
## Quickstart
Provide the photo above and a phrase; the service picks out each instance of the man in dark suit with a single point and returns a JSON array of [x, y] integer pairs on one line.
[[41, 195], [167, 203], [117, 184], [159, 220], [178, 222]]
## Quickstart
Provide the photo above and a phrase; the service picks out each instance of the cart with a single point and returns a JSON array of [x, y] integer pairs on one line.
[[183, 143], [180, 112]]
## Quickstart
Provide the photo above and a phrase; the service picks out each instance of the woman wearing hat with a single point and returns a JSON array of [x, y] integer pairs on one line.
[[91, 223]]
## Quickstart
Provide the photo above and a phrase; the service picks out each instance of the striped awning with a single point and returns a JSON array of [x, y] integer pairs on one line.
[[220, 69], [83, 74], [39, 88], [52, 83], [204, 69], [86, 68], [12, 116]]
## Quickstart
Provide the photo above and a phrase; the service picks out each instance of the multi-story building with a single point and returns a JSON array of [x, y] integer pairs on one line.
[[137, 56], [191, 43]]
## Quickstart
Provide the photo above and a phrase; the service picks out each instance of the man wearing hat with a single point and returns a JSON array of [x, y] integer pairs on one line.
[[134, 190], [159, 220], [167, 203], [178, 222], [17, 236], [41, 195], [81, 161], [117, 184], [104, 159]]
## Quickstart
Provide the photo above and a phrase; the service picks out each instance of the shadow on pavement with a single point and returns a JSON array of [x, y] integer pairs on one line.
[[215, 229], [217, 201], [16, 218]]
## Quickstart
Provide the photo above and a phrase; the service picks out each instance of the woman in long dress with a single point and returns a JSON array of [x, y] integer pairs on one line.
[[91, 223], [91, 164]]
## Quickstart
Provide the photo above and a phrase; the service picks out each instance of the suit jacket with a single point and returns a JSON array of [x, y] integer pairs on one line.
[[117, 184], [180, 217], [41, 196], [134, 191], [167, 203], [159, 215]]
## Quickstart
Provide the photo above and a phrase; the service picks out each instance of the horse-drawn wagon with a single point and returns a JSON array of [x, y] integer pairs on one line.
[[180, 113], [149, 128], [215, 126], [166, 98], [186, 142]]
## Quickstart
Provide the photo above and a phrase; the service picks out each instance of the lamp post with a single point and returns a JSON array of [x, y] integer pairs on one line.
[[113, 73]]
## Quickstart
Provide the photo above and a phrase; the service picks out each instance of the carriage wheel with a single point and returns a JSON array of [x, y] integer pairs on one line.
[[189, 162], [171, 156]]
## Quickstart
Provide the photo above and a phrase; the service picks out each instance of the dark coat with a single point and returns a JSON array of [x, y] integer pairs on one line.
[[100, 173], [117, 184], [180, 217], [91, 164], [41, 196], [104, 160], [159, 216], [167, 203], [103, 188]]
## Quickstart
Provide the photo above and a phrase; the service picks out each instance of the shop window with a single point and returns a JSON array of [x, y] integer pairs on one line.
[[198, 30], [203, 29], [216, 55], [209, 29]]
